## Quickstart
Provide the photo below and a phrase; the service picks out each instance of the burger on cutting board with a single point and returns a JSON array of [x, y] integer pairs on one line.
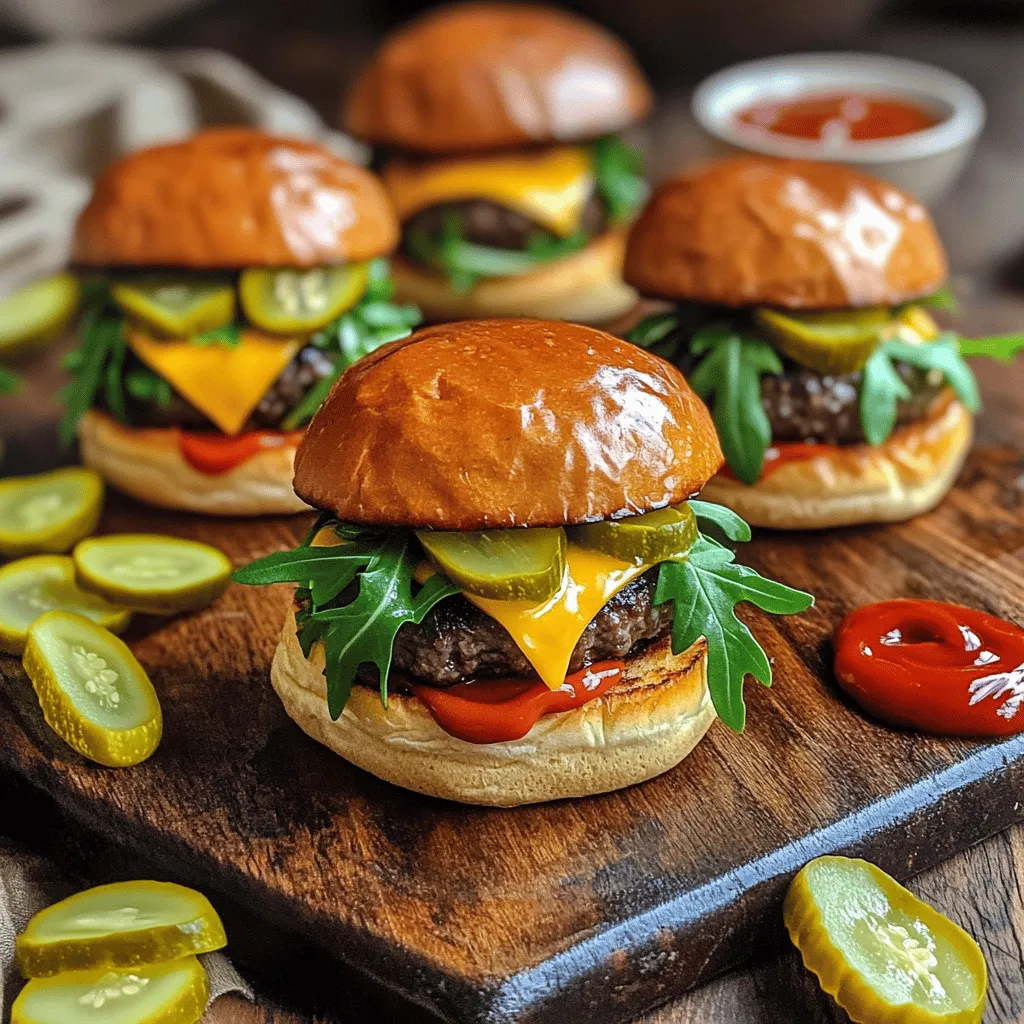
[[801, 295], [512, 594], [229, 279], [497, 127]]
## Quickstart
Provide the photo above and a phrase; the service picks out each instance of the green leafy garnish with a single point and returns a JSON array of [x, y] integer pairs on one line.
[[1004, 347], [655, 333], [943, 300], [882, 387], [228, 334], [465, 264], [372, 322], [731, 371], [9, 381], [705, 589], [618, 171], [146, 386], [362, 629]]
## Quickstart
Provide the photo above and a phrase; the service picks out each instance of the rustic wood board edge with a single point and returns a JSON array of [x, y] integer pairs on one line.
[[611, 975]]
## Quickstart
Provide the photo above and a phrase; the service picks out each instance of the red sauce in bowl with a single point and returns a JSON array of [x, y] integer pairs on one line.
[[937, 667], [839, 117]]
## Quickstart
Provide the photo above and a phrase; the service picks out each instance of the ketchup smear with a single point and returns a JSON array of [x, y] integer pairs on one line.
[[783, 453], [496, 711], [214, 454], [932, 666], [839, 117]]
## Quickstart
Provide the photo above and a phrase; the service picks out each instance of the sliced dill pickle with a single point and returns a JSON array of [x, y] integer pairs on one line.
[[37, 313], [95, 696], [508, 565], [645, 539], [170, 993], [883, 955], [177, 307], [150, 573], [120, 925], [30, 587], [287, 301], [49, 511], [838, 342]]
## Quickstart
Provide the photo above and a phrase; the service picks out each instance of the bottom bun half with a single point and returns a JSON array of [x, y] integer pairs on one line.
[[586, 288], [640, 728], [147, 464], [908, 474]]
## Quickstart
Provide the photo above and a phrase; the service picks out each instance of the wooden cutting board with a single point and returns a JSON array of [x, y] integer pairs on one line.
[[587, 910]]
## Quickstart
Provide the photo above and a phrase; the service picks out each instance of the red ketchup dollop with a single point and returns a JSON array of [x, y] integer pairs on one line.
[[932, 666], [782, 453], [839, 117], [214, 454], [500, 710]]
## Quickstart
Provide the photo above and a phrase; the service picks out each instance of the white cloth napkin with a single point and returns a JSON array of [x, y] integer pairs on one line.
[[27, 884]]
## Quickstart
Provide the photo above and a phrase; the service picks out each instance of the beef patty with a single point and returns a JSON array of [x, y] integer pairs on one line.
[[457, 641], [308, 367], [491, 224]]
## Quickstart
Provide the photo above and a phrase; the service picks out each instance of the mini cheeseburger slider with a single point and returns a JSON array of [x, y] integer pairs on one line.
[[512, 189], [507, 598], [802, 291], [230, 279]]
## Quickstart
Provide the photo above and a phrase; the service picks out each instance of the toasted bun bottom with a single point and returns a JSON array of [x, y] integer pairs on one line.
[[642, 727], [586, 288], [907, 475], [147, 464]]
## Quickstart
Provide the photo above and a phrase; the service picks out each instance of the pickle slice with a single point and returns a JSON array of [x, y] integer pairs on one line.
[[177, 307], [95, 696], [509, 565], [837, 342], [287, 301], [171, 993], [121, 925], [150, 573], [30, 587], [883, 955], [50, 511], [645, 539], [37, 313]]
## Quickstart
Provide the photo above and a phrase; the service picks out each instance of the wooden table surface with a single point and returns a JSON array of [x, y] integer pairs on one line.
[[983, 224]]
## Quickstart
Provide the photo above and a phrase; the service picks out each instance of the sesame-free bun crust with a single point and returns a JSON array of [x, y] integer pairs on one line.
[[481, 76], [147, 464], [233, 198], [499, 423], [642, 727], [908, 474], [586, 287], [797, 234]]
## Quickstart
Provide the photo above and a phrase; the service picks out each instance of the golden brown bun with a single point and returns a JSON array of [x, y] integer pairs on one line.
[[640, 728], [148, 465], [483, 76], [586, 287], [799, 234], [499, 423], [235, 197], [907, 475]]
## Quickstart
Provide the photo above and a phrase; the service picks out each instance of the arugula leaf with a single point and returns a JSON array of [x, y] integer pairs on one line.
[[731, 370], [618, 171], [655, 333], [705, 589], [882, 387], [228, 334], [465, 264], [943, 300], [146, 386], [363, 631], [9, 381], [724, 518], [1003, 347], [324, 571]]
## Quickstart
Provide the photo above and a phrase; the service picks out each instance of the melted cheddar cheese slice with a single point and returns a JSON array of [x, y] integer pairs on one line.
[[551, 187], [224, 382], [547, 633]]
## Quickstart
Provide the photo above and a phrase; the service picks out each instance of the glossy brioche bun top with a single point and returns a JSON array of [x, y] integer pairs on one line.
[[479, 76], [231, 198], [500, 423], [798, 234]]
